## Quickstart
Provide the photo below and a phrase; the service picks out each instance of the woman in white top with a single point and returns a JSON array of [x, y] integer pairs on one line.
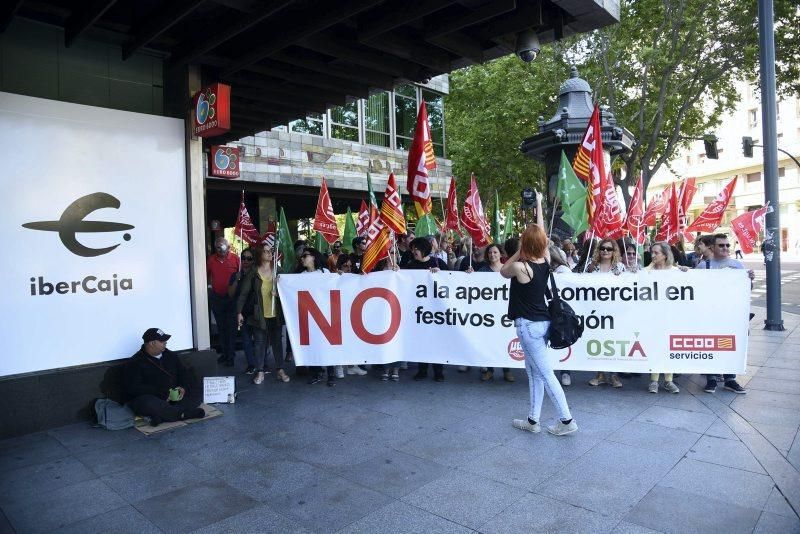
[[662, 260], [606, 259], [312, 261]]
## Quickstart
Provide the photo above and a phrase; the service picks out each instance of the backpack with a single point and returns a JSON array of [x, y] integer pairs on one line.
[[112, 415], [565, 327]]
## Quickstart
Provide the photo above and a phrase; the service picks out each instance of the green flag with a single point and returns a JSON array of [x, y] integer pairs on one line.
[[285, 244], [572, 195], [495, 230], [320, 244], [372, 199], [508, 227], [426, 226], [349, 232]]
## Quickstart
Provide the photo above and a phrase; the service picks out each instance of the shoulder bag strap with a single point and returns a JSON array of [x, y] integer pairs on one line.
[[554, 294]]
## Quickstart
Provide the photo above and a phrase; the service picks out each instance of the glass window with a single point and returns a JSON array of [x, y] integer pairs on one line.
[[406, 90], [313, 124], [376, 119], [753, 177], [344, 122], [781, 172], [753, 117], [405, 113], [435, 105]]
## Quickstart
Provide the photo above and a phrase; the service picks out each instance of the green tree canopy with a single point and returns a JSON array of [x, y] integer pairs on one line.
[[668, 70]]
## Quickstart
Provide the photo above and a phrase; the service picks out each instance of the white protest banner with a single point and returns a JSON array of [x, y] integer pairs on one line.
[[667, 321]]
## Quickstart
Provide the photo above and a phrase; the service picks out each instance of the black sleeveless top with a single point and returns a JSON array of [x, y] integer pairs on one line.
[[526, 301]]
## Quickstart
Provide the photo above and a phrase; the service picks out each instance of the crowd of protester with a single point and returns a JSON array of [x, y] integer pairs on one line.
[[244, 295]]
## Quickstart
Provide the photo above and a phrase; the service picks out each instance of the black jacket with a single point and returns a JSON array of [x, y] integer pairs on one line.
[[145, 375]]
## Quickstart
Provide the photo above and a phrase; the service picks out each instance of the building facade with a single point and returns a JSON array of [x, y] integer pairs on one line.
[[712, 175], [283, 167]]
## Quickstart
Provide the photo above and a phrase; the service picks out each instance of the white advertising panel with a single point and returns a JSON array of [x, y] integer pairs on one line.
[[95, 232], [669, 321]]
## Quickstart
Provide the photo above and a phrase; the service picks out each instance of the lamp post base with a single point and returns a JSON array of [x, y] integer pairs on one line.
[[774, 326]]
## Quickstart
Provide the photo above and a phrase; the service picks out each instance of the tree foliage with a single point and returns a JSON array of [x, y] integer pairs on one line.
[[491, 108], [668, 71]]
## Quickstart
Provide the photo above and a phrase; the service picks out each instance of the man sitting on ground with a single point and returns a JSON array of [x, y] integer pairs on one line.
[[161, 387]]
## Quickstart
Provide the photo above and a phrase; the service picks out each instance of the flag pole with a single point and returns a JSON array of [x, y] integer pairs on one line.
[[441, 205], [241, 230], [552, 219]]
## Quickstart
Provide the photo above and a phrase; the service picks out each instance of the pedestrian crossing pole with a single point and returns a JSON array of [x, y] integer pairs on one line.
[[772, 249]]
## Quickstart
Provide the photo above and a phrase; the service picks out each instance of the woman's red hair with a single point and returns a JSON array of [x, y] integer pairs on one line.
[[533, 242]]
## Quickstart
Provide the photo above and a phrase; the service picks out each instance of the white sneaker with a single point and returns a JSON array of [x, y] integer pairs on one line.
[[560, 429], [462, 368], [258, 378], [671, 387], [524, 424], [653, 387], [355, 370], [339, 371], [566, 380]]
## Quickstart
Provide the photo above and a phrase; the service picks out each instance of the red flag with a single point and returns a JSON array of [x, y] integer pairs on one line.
[[324, 220], [747, 227], [421, 159], [590, 167], [634, 221], [245, 229], [363, 219], [685, 196], [392, 208], [669, 222], [688, 189], [267, 240], [451, 221], [709, 220], [474, 219], [378, 247], [611, 224], [655, 208]]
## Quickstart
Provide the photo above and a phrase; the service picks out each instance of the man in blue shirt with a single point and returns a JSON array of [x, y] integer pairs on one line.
[[721, 260]]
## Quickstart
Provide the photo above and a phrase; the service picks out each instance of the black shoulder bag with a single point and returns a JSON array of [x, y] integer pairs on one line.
[[565, 327]]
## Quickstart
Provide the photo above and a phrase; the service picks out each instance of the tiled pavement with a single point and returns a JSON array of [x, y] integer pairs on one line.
[[368, 456]]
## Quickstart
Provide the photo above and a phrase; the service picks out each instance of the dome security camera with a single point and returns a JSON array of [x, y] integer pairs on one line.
[[528, 46]]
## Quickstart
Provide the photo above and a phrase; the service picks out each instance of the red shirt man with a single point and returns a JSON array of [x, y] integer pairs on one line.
[[220, 266]]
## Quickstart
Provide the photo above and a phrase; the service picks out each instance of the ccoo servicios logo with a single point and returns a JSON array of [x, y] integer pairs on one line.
[[71, 223]]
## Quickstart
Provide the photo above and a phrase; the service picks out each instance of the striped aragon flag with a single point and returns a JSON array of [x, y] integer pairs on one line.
[[378, 247], [589, 166], [392, 208]]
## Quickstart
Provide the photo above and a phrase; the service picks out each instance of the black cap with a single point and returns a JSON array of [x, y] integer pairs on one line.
[[154, 334]]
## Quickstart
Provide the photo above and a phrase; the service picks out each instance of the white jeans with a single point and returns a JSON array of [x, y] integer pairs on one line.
[[533, 337]]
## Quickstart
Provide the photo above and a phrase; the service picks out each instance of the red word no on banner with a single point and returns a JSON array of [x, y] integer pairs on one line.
[[331, 327]]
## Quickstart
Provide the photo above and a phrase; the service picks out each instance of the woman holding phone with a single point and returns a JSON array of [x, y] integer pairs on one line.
[[529, 271]]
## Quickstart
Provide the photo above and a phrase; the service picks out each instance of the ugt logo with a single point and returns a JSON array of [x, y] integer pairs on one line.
[[72, 222]]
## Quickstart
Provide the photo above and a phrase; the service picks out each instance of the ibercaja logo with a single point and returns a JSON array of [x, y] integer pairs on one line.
[[223, 162], [212, 110]]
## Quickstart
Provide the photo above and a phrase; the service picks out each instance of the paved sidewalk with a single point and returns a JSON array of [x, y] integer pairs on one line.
[[368, 456]]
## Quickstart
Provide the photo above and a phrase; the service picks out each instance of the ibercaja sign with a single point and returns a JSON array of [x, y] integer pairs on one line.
[[212, 110], [223, 161]]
